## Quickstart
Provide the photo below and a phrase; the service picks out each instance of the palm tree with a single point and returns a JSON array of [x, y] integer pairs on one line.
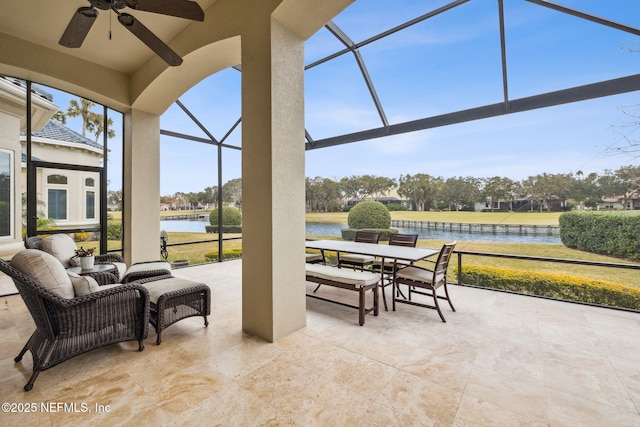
[[83, 109], [98, 126], [92, 122]]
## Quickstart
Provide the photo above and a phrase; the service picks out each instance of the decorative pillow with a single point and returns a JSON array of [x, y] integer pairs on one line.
[[83, 285], [45, 269], [60, 246], [122, 269], [74, 261]]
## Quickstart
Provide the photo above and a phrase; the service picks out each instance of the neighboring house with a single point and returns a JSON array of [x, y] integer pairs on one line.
[[71, 198], [391, 197], [13, 119], [384, 200], [616, 203]]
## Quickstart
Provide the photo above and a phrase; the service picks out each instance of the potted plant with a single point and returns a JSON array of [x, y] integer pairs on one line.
[[86, 258]]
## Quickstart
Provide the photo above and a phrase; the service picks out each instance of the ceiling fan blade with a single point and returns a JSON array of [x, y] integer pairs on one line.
[[181, 8], [78, 27], [150, 39]]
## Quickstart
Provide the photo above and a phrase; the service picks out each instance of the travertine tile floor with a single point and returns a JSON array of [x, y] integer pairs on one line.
[[500, 360]]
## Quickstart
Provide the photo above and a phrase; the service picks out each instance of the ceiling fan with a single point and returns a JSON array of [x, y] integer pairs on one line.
[[84, 18]]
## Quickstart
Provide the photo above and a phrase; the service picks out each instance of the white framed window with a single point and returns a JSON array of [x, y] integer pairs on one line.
[[57, 203], [6, 194], [90, 198]]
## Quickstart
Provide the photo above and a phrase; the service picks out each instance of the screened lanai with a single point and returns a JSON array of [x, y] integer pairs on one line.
[[428, 46], [254, 99]]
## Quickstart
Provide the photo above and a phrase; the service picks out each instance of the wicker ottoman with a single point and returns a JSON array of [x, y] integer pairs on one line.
[[172, 299]]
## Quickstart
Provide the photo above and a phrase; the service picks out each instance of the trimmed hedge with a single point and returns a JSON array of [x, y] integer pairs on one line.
[[370, 215], [226, 254], [609, 233], [225, 228], [230, 216], [558, 286], [350, 233]]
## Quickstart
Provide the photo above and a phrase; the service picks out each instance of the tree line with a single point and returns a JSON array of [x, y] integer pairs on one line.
[[231, 195], [423, 191]]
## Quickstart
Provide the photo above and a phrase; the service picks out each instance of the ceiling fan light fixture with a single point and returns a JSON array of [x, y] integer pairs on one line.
[[84, 17]]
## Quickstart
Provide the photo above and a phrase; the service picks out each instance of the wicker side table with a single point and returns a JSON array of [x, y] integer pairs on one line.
[[172, 299]]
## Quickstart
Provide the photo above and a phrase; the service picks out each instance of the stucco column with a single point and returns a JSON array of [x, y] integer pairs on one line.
[[10, 141], [273, 276], [141, 216]]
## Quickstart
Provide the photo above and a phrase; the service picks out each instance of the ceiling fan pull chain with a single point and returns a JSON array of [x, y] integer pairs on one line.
[[110, 16]]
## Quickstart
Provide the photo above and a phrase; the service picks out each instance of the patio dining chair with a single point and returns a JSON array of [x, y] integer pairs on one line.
[[72, 314], [357, 261], [389, 266], [425, 281]]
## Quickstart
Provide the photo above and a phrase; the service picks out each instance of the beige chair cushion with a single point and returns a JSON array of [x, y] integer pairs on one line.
[[45, 269], [83, 285], [149, 266], [420, 275], [60, 246], [314, 257], [343, 275], [160, 287], [357, 259], [388, 264]]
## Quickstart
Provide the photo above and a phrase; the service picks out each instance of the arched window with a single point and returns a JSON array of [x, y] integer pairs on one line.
[[90, 198], [57, 179]]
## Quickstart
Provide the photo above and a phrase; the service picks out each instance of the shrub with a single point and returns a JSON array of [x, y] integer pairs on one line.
[[557, 286], [230, 216], [225, 228], [369, 214], [212, 256], [81, 236], [114, 230], [395, 207], [608, 233]]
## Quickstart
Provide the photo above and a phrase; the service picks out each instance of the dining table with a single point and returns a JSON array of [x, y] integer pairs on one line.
[[382, 251]]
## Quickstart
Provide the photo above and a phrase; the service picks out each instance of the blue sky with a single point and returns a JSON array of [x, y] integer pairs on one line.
[[444, 64]]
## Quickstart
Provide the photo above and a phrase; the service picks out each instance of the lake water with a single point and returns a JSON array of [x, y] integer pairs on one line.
[[333, 229], [184, 225]]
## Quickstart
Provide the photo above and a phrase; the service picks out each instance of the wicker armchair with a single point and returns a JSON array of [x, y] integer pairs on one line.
[[33, 242], [63, 248], [68, 327]]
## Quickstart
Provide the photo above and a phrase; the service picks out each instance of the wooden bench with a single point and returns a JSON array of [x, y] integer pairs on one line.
[[352, 280]]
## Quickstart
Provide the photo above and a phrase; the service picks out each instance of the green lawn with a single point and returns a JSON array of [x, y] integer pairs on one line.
[[195, 253], [627, 277]]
